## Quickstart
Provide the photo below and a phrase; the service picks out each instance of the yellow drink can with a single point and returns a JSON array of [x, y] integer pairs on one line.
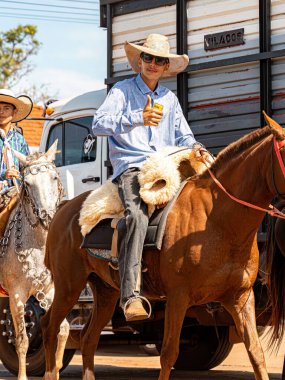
[[158, 106]]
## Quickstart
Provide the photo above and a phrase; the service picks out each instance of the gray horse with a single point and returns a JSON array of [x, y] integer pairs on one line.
[[22, 249]]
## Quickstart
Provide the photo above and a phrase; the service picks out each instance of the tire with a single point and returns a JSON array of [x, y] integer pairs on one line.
[[205, 349], [35, 355]]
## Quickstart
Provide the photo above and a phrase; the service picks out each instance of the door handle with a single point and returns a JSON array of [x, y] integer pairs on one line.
[[91, 179]]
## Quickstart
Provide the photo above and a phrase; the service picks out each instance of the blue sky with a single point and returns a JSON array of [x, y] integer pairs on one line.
[[72, 58]]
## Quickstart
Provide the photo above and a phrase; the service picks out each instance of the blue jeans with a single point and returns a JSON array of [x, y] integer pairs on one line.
[[132, 230]]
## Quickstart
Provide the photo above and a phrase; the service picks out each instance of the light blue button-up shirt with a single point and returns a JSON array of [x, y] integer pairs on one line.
[[120, 117]]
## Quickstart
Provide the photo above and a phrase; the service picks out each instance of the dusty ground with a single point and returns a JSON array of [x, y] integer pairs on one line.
[[130, 363]]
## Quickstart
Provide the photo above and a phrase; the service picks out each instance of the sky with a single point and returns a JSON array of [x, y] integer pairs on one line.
[[73, 56]]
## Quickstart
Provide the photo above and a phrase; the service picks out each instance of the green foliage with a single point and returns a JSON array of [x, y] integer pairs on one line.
[[16, 48]]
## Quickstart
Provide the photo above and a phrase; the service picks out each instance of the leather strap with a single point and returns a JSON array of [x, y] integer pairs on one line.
[[278, 145], [114, 246]]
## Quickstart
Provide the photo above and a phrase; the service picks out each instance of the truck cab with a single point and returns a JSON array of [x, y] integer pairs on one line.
[[81, 157]]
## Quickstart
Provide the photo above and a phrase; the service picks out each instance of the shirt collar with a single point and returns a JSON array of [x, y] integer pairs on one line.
[[144, 87], [11, 131]]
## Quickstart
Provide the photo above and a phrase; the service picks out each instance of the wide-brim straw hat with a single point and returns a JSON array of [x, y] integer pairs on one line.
[[23, 104], [158, 45]]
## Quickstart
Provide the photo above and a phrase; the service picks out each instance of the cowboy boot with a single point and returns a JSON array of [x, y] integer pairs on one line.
[[135, 311]]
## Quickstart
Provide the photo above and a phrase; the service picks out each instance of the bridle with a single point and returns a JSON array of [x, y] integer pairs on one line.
[[277, 146], [42, 215], [272, 211]]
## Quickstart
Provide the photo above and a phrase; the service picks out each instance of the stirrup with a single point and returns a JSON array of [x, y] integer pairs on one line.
[[132, 299]]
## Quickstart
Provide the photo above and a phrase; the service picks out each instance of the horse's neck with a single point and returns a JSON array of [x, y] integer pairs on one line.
[[248, 177], [31, 223], [245, 177]]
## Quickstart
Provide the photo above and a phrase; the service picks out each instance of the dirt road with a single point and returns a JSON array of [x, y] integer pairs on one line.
[[130, 363]]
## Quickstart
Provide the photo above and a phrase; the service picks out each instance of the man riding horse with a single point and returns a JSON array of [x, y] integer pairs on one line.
[[12, 146], [139, 115]]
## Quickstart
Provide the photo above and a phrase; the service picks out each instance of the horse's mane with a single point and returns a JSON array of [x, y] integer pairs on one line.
[[34, 156], [240, 146], [31, 158]]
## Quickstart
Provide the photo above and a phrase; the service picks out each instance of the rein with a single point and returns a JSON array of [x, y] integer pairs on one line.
[[272, 211], [277, 147]]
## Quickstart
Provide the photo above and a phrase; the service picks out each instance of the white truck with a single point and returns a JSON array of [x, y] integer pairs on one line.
[[82, 160]]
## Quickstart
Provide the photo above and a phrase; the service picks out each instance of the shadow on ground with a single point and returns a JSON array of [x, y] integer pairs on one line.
[[113, 372]]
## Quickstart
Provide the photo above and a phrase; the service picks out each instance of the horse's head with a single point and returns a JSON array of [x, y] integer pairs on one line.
[[42, 187]]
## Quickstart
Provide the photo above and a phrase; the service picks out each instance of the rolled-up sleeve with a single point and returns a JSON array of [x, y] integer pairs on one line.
[[183, 133], [114, 117]]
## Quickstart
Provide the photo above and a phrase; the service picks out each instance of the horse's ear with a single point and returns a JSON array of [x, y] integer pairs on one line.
[[50, 154], [272, 123]]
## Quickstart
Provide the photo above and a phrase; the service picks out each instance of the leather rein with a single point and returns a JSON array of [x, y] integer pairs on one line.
[[272, 211]]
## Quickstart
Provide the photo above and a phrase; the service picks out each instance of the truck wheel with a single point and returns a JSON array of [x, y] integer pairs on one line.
[[208, 347], [35, 354]]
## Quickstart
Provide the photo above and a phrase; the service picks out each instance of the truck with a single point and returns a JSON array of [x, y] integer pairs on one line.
[[236, 70]]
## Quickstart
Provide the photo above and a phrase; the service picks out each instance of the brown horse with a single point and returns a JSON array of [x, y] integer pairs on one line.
[[209, 253]]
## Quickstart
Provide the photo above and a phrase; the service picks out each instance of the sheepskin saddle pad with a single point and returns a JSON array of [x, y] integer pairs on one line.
[[160, 179], [100, 240]]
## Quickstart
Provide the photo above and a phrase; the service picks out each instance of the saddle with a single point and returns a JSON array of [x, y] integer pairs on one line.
[[101, 241], [161, 179]]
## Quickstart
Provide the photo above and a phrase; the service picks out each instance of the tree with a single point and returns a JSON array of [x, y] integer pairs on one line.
[[40, 93], [16, 47]]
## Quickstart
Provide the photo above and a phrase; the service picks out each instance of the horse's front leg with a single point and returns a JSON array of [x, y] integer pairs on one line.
[[243, 313], [105, 299], [17, 307], [62, 335], [176, 307], [61, 343], [64, 300]]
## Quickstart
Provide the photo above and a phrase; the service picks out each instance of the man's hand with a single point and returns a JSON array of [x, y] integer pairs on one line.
[[202, 154], [151, 116], [12, 172]]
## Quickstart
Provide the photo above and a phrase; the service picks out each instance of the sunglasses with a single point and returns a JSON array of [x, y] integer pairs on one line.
[[148, 58]]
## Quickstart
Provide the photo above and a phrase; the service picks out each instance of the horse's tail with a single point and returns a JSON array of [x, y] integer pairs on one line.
[[275, 267]]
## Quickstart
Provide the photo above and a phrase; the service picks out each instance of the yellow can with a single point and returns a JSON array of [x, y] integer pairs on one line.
[[158, 106]]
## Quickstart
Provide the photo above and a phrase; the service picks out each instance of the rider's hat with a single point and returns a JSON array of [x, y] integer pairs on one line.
[[22, 103], [157, 45]]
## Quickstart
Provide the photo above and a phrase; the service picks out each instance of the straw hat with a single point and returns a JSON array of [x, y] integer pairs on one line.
[[22, 103], [158, 45]]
